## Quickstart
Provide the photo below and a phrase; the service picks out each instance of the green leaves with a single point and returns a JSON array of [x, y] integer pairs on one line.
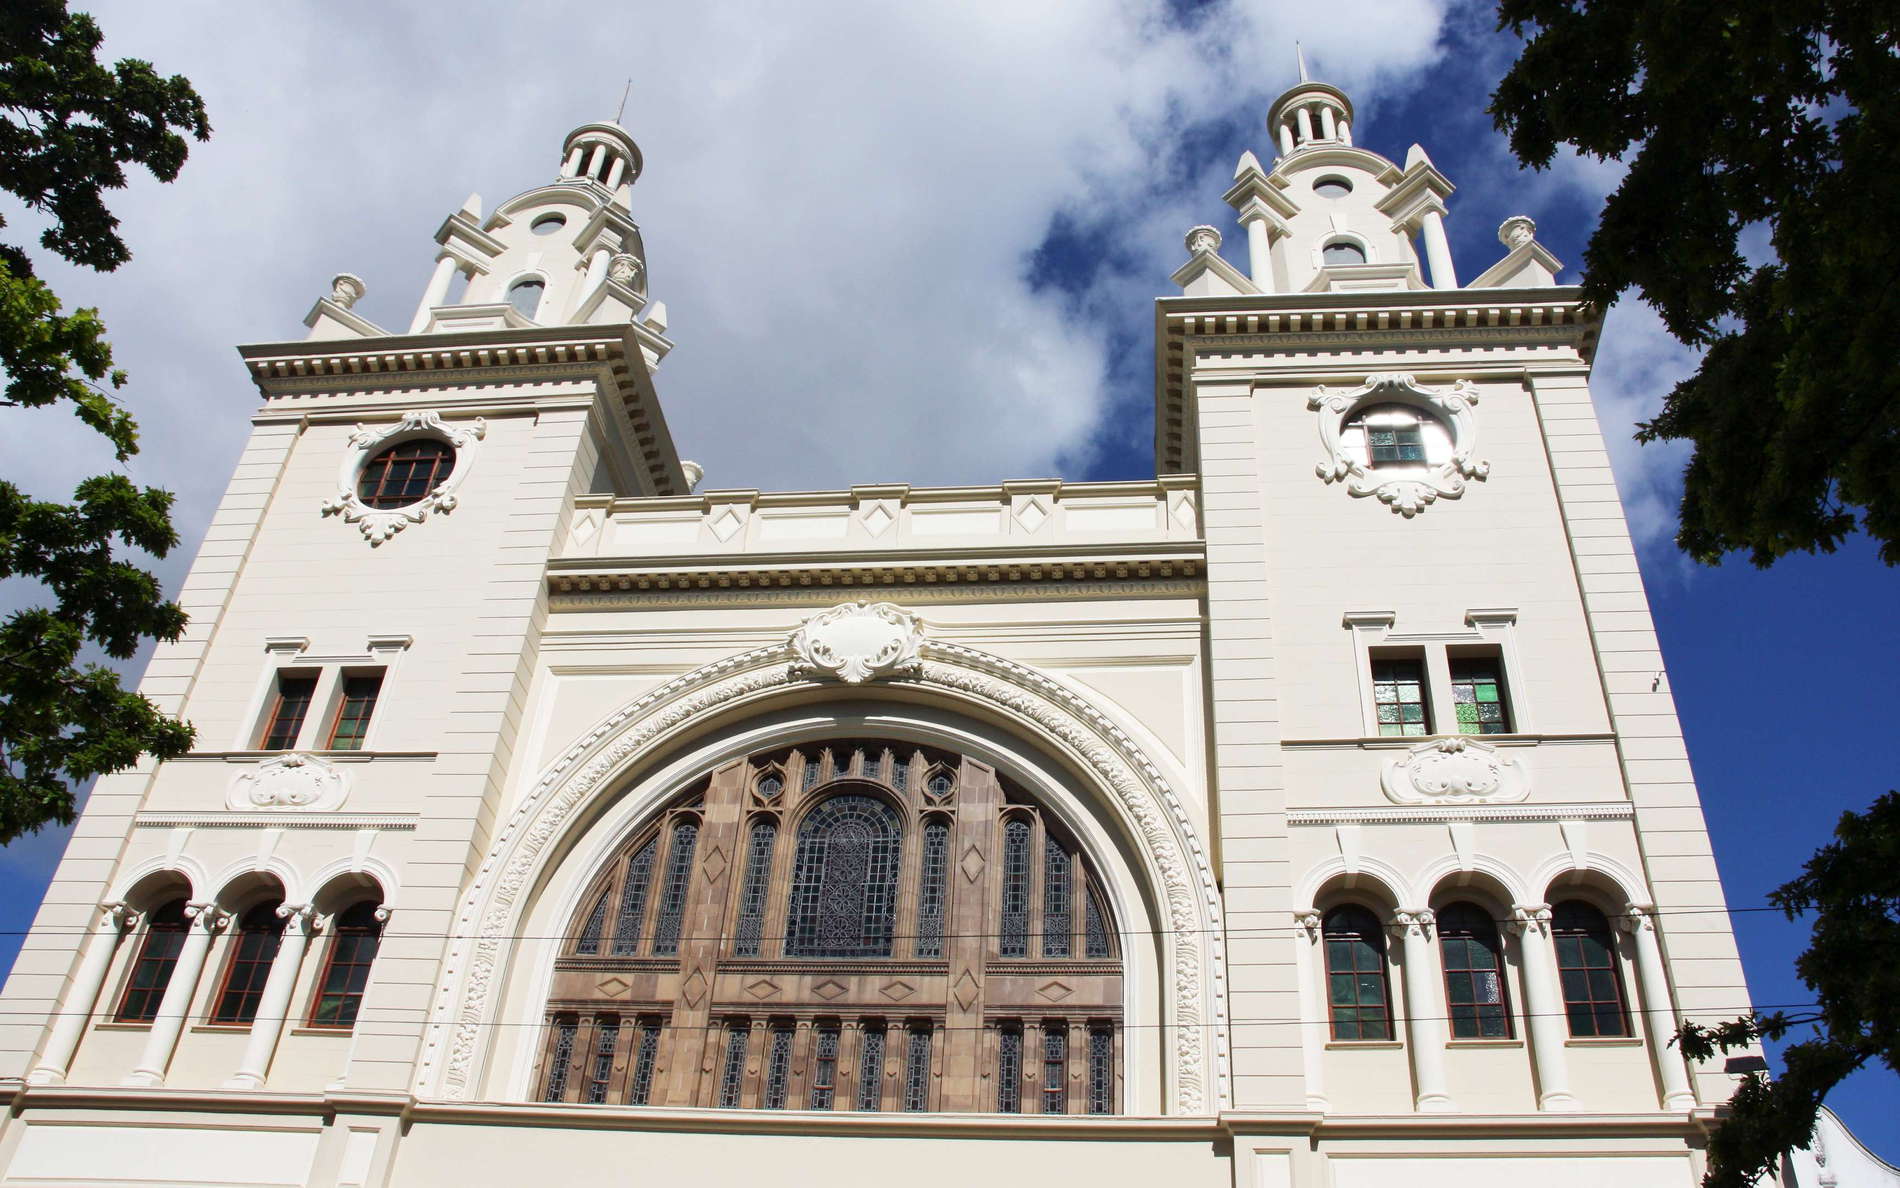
[[1732, 117], [68, 127]]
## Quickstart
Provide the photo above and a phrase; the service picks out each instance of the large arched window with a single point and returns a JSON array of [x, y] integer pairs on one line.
[[152, 968], [260, 932], [852, 925], [1586, 964], [358, 934], [1473, 954], [1357, 991]]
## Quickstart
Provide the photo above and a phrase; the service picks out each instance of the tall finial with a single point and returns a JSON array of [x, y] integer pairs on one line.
[[1300, 54], [629, 90]]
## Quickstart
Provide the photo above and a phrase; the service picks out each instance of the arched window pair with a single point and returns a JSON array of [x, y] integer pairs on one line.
[[355, 936], [850, 925], [1471, 952]]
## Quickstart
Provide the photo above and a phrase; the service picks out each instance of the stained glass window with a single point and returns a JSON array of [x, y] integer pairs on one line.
[[260, 933], [917, 1070], [1587, 966], [1474, 973], [633, 899], [1095, 942], [932, 889], [1009, 1069], [356, 936], [152, 970], [353, 712], [641, 1088], [559, 1057], [1055, 1069], [606, 1045], [1355, 975], [294, 691], [1394, 435], [1055, 899], [824, 1066], [1013, 936], [1398, 693], [844, 889], [778, 1067], [758, 880], [871, 1066], [405, 473], [1477, 689], [589, 941], [1101, 1069], [679, 872], [732, 1076]]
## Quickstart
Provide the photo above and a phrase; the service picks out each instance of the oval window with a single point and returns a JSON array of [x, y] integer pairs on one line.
[[525, 296], [1342, 252], [1332, 187], [405, 473], [1384, 436], [548, 224]]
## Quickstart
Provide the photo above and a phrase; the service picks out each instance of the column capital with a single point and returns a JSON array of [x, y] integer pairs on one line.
[[115, 915], [1309, 921], [1530, 917], [207, 915], [1416, 922], [1638, 917], [302, 916]]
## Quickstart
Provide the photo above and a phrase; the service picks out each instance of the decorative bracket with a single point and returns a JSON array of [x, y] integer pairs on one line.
[[379, 524], [1410, 490], [293, 781], [858, 642], [1454, 770]]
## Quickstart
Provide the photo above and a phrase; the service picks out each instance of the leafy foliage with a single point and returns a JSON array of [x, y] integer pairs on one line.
[[1852, 885], [1734, 118], [69, 125]]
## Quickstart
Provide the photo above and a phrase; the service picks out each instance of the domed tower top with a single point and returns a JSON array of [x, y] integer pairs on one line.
[[604, 153], [1310, 114]]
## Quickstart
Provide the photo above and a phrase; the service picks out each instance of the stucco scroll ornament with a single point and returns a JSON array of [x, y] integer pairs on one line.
[[858, 642], [293, 781], [1407, 490], [380, 523], [1455, 770]]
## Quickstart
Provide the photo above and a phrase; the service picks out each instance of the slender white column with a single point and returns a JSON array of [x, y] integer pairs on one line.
[[573, 166], [596, 270], [206, 919], [1308, 967], [1640, 922], [1544, 1006], [1345, 132], [1327, 129], [1260, 254], [618, 171], [1286, 139], [273, 1004], [82, 999], [1438, 250], [1424, 1010], [435, 294], [597, 160], [1304, 119]]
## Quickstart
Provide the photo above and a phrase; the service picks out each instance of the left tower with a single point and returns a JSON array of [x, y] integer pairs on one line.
[[365, 612]]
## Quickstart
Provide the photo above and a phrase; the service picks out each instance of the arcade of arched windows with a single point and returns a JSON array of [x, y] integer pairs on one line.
[[854, 925]]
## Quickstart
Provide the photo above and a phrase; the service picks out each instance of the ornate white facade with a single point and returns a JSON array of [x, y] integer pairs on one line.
[[1258, 698]]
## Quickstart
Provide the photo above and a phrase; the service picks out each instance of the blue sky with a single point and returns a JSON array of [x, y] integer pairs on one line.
[[921, 242]]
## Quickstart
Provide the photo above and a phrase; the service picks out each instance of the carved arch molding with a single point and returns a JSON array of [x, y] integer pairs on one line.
[[1193, 967]]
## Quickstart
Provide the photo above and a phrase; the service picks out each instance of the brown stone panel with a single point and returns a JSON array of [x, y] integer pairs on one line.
[[701, 925]]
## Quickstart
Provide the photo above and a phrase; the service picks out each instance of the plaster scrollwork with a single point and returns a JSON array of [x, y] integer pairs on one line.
[[1530, 918], [1454, 770], [1178, 861], [858, 641], [293, 781], [379, 524], [1418, 923], [1637, 917], [1407, 490], [1309, 923]]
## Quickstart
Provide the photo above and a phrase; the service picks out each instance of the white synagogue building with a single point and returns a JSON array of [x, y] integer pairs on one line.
[[1311, 815]]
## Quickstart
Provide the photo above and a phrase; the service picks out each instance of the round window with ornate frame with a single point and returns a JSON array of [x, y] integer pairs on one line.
[[396, 475], [1406, 443]]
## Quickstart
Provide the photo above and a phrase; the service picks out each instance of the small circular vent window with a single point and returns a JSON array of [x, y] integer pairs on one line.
[[1332, 187], [405, 473], [548, 224]]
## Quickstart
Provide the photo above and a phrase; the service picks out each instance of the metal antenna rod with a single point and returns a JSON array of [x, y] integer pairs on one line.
[[629, 90], [1301, 55]]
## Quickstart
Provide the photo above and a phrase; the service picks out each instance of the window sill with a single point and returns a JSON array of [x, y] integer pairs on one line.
[[222, 1028], [327, 756], [1603, 1041], [330, 1031], [1384, 742], [1365, 1045], [118, 1025], [1484, 1043]]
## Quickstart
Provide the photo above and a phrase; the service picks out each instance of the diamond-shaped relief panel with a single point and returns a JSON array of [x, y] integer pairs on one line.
[[714, 865], [1032, 514], [726, 523], [829, 989], [972, 865], [613, 987], [965, 992], [898, 991], [877, 518], [693, 988], [1055, 991], [1184, 511], [763, 988]]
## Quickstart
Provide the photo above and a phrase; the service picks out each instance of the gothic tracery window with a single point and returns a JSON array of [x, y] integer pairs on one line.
[[847, 925]]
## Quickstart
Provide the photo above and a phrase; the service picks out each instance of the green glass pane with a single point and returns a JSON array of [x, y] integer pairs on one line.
[[1487, 692], [1415, 728], [1388, 713], [1467, 715], [1391, 728], [1408, 691], [1413, 713]]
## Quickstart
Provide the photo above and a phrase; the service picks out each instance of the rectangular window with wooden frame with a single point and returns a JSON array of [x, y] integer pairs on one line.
[[1398, 695], [353, 709], [1478, 695], [289, 707]]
